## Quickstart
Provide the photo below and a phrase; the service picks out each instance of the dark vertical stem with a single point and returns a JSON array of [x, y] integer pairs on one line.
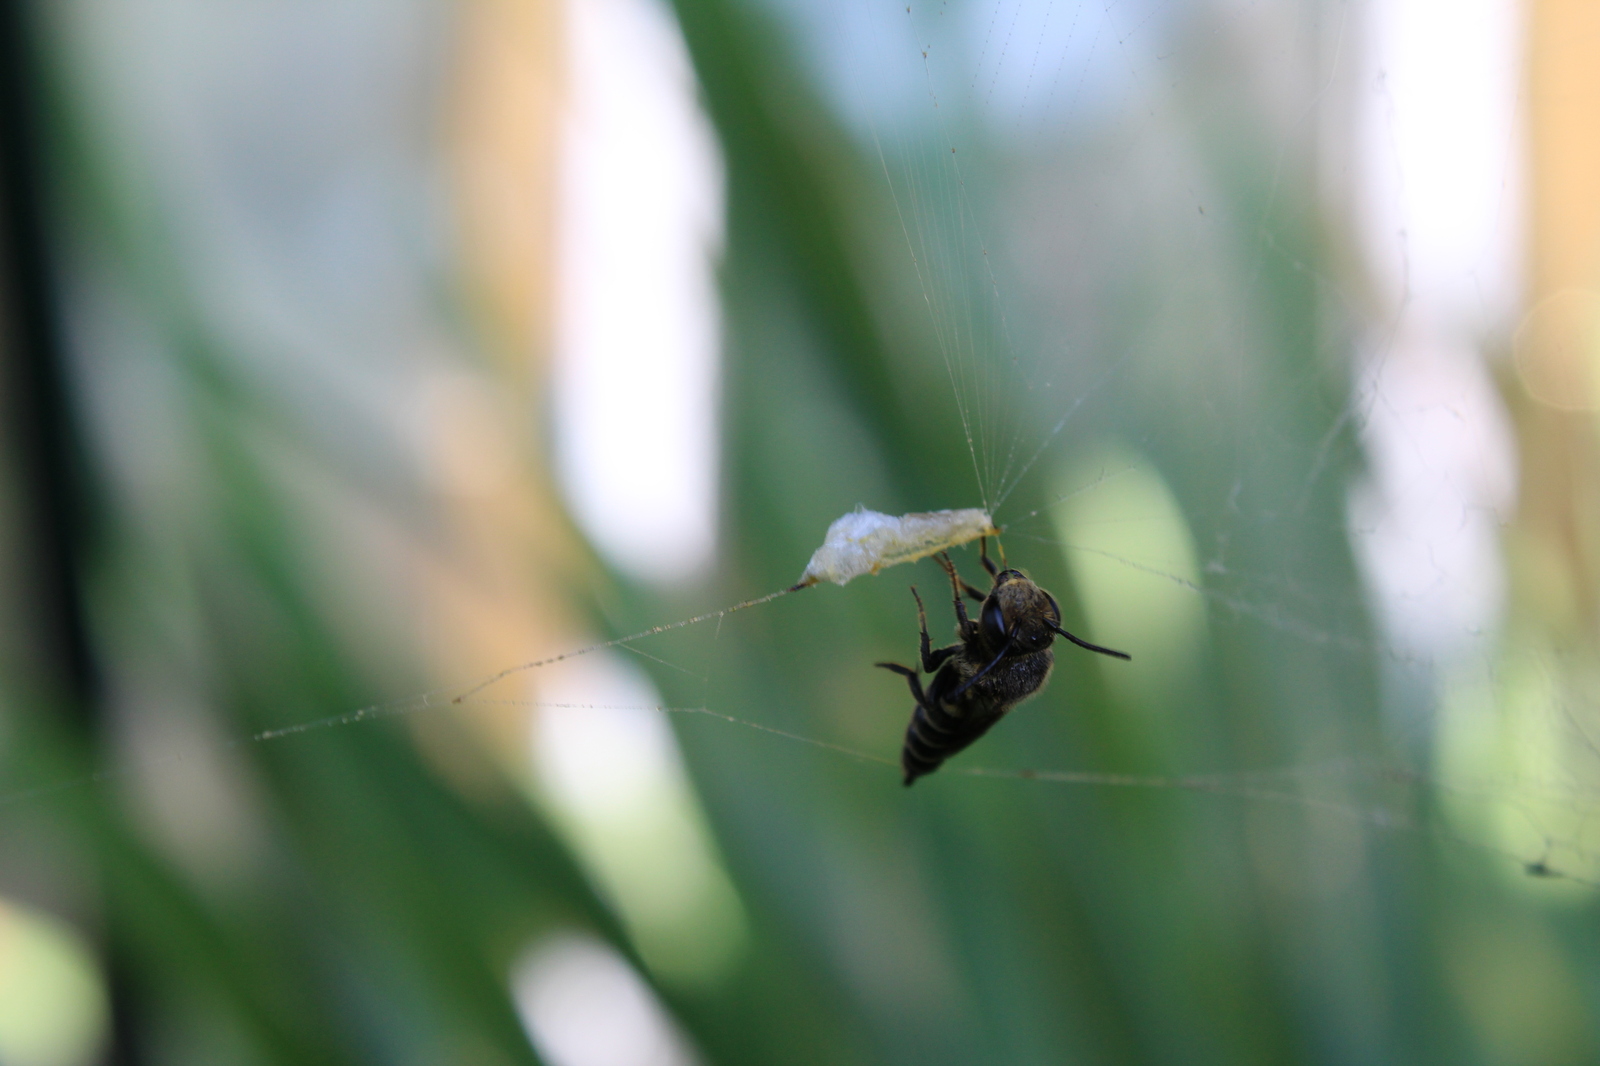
[[35, 414], [39, 433]]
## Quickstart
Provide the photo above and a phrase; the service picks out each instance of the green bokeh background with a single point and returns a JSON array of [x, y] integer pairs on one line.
[[1204, 312]]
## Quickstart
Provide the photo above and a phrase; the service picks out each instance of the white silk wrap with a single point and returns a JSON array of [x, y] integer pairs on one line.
[[864, 542]]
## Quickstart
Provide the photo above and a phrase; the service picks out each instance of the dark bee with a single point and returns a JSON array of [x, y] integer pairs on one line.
[[1000, 660]]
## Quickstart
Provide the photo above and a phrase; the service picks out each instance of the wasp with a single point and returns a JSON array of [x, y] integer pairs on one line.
[[1000, 660]]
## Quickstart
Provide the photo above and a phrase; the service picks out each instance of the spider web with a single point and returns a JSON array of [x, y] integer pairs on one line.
[[1462, 757], [1488, 744]]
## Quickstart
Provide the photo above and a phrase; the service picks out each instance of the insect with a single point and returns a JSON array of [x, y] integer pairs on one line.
[[1000, 660]]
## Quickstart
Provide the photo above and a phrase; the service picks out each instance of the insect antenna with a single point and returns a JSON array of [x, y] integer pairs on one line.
[[1080, 642]]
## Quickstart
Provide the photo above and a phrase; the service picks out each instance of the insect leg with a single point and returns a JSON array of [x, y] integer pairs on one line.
[[958, 587], [983, 557], [922, 627], [931, 659], [912, 679]]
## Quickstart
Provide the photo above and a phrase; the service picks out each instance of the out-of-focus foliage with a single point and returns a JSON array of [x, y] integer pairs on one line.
[[271, 298]]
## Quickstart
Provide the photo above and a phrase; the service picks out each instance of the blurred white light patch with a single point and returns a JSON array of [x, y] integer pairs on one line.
[[638, 330], [610, 774], [583, 1005], [1426, 522], [53, 1009], [1441, 153]]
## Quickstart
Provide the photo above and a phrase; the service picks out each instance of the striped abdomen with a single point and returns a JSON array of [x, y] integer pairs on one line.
[[943, 728]]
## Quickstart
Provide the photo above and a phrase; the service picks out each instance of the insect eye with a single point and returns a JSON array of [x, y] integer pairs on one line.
[[994, 623]]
